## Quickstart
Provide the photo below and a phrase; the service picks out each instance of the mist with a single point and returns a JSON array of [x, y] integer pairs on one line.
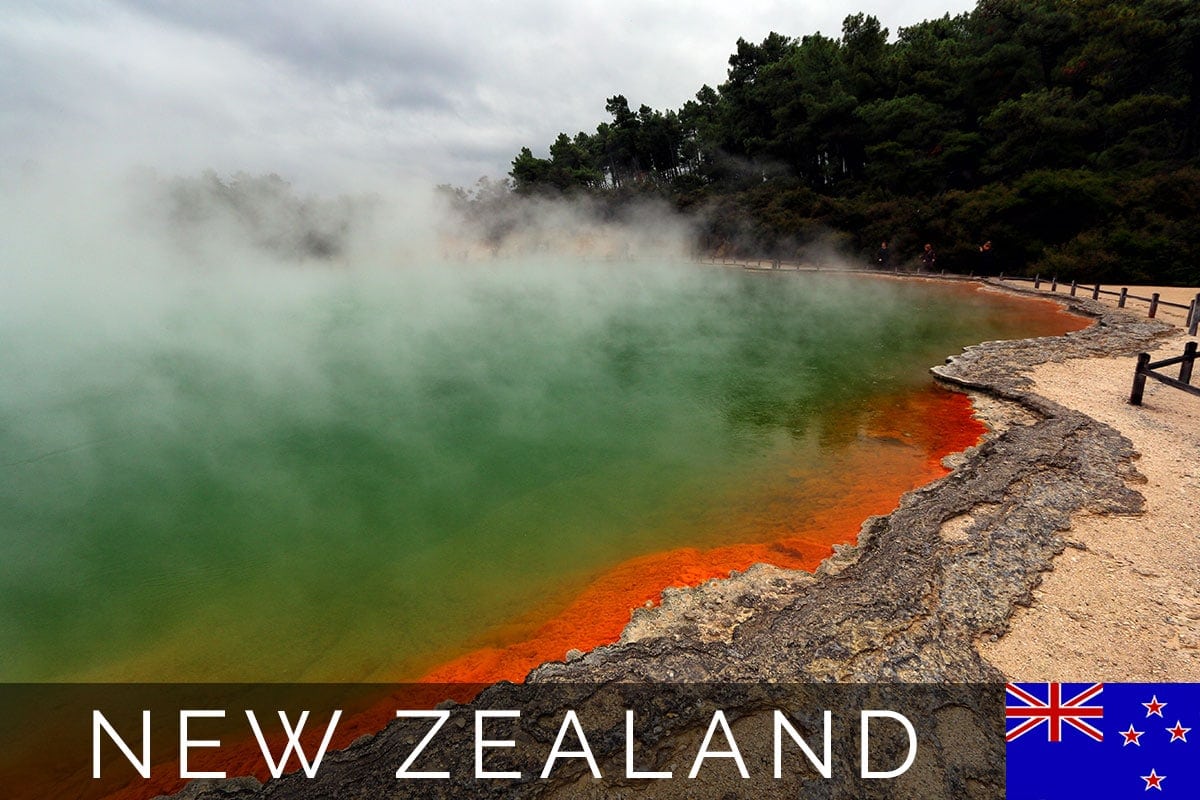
[[215, 386], [251, 433]]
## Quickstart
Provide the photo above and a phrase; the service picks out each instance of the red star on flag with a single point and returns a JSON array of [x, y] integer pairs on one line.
[[1153, 781], [1132, 736], [1154, 707], [1178, 732]]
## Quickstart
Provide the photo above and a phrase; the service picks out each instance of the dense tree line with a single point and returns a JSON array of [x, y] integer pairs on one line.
[[1065, 131]]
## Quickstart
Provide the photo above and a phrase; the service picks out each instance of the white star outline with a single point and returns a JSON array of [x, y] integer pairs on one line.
[[1178, 733], [1154, 707]]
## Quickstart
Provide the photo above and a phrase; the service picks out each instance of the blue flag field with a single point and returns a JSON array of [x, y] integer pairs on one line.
[[1102, 740]]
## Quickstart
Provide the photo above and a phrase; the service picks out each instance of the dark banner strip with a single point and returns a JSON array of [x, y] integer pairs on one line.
[[236, 741]]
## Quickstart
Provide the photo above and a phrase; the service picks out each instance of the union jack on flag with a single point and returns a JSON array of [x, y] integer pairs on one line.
[[1053, 710]]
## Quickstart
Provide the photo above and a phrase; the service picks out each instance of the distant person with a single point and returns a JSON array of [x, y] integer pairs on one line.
[[929, 258], [987, 259], [883, 256]]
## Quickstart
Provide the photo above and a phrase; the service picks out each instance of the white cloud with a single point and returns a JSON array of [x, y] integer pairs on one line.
[[333, 92]]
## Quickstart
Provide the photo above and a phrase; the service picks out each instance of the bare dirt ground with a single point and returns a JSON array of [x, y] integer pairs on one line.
[[1123, 601]]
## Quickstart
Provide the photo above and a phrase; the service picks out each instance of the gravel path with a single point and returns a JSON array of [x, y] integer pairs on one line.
[[1123, 602]]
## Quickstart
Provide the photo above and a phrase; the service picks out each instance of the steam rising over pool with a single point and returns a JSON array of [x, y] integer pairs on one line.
[[303, 474]]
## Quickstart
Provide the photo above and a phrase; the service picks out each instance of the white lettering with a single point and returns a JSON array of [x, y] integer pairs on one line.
[[718, 719], [293, 744], [630, 772], [867, 716], [441, 715], [185, 743], [481, 743], [824, 766], [99, 722], [570, 720]]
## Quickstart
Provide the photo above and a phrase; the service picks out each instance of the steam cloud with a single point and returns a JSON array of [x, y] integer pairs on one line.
[[226, 401], [194, 365]]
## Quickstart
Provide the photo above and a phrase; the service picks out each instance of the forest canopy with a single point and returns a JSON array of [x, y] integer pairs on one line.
[[1067, 132]]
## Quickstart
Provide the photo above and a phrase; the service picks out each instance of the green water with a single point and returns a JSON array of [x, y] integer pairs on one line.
[[302, 475]]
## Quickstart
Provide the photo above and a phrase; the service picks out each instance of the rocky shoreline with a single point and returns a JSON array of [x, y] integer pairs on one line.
[[907, 603]]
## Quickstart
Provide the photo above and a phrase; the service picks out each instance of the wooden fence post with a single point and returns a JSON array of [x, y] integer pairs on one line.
[[1153, 305], [1124, 294], [1139, 380], [1195, 316], [1189, 358], [1054, 284], [1074, 286], [1037, 281], [1096, 292]]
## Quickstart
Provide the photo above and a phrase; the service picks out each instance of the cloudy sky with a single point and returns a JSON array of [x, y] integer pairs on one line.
[[331, 93]]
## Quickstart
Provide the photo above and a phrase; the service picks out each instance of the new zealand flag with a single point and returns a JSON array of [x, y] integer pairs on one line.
[[1110, 740]]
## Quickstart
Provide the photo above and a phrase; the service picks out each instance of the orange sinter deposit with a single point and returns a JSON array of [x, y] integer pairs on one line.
[[936, 420], [913, 431]]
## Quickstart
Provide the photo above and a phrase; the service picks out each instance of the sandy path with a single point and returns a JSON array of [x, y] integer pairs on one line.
[[1169, 294], [1123, 603]]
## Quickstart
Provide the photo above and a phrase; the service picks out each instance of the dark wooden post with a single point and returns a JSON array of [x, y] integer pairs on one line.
[[1195, 316], [1153, 305], [1139, 380], [1001, 276], [1189, 358], [1074, 286], [1096, 292], [1124, 294], [1054, 284], [1037, 281]]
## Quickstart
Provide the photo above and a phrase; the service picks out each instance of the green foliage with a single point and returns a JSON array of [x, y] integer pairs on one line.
[[1065, 131]]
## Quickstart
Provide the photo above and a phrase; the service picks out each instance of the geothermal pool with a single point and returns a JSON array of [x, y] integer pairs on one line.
[[338, 475]]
